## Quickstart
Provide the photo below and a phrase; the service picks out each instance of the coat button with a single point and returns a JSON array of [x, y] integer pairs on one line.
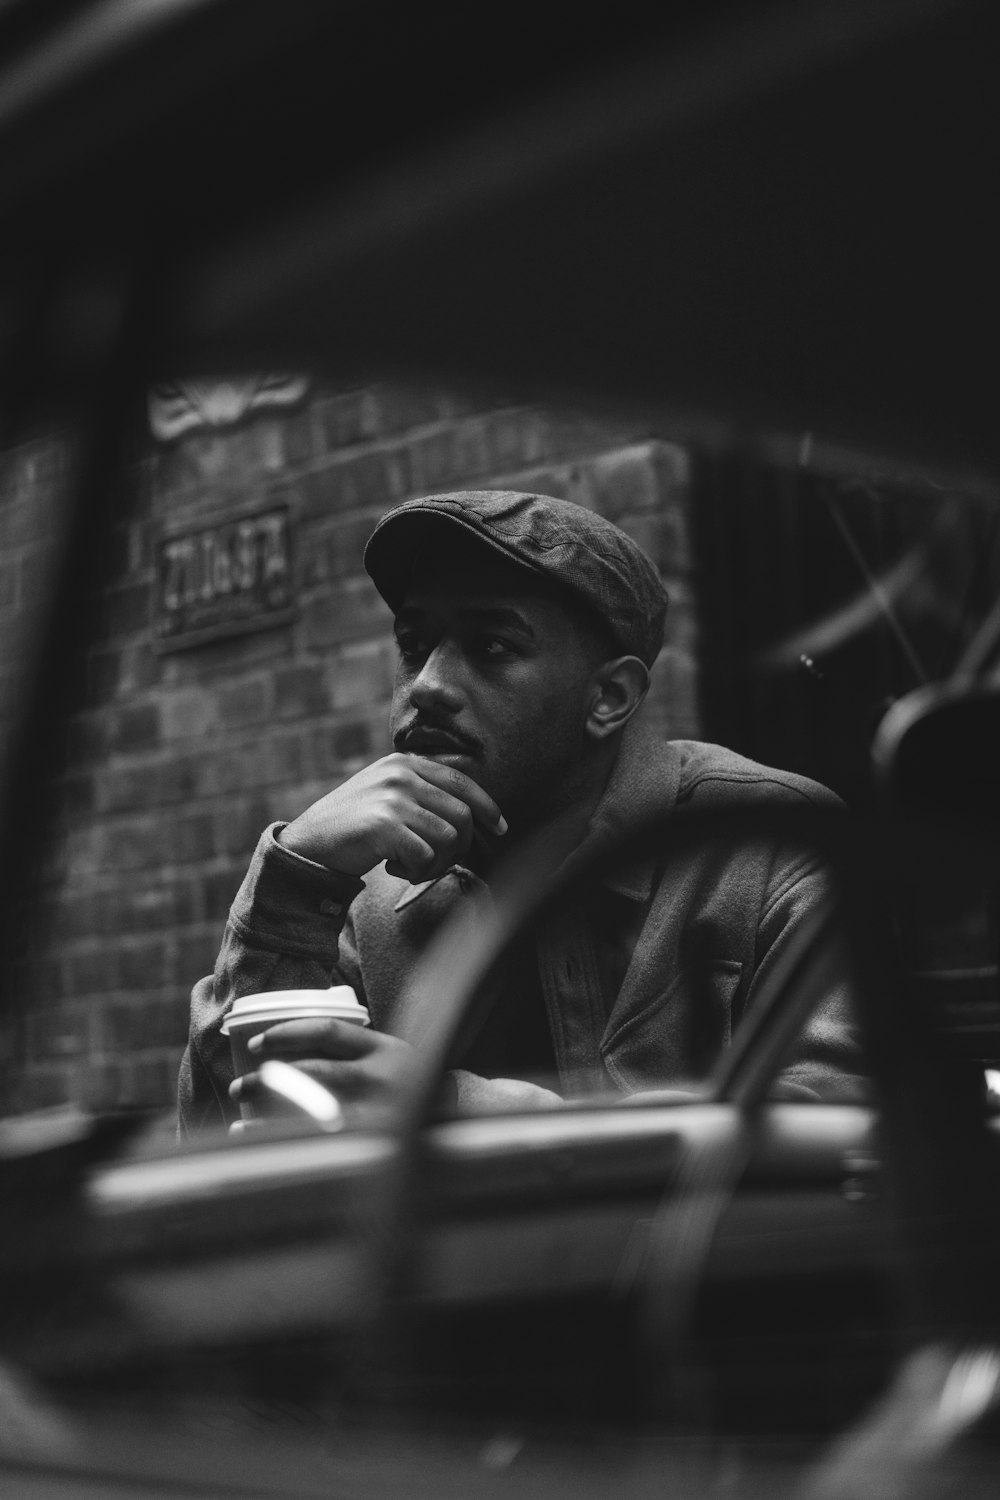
[[330, 908]]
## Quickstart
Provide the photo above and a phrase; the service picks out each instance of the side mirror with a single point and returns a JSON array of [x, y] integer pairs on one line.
[[937, 751], [937, 764]]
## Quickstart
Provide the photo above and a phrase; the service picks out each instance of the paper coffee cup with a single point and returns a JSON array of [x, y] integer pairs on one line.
[[255, 1013]]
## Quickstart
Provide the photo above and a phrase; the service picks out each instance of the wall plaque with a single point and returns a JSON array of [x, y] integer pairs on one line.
[[225, 579]]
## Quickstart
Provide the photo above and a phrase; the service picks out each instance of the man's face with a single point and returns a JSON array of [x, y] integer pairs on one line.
[[494, 679]]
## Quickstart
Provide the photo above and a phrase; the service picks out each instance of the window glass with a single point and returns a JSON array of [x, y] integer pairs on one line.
[[238, 663]]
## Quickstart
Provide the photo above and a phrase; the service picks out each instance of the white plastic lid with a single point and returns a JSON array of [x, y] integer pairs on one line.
[[339, 1001]]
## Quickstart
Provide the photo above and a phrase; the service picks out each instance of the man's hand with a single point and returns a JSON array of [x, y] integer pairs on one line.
[[413, 813], [366, 1070]]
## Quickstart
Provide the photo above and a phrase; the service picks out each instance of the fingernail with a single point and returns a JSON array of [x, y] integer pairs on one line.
[[255, 1044], [502, 824], [234, 1089]]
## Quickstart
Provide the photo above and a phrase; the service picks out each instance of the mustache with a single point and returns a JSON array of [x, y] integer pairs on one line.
[[422, 723]]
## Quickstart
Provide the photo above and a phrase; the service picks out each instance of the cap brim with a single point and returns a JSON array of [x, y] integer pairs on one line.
[[396, 543]]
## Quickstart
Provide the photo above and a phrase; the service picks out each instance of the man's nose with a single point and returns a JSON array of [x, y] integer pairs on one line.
[[438, 683]]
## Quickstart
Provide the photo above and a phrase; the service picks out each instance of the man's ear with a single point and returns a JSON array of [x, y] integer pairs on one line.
[[619, 686]]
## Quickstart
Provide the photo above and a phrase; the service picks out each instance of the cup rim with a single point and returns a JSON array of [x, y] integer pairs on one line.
[[338, 1002]]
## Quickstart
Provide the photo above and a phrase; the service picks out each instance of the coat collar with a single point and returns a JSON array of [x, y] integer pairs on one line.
[[643, 785]]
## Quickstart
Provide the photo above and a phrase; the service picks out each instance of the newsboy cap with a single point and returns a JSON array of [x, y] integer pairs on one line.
[[563, 542]]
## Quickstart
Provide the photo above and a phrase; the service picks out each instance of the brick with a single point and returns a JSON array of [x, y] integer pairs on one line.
[[239, 766], [269, 445], [572, 434], [450, 456], [37, 461], [240, 824], [231, 456], [59, 1032], [352, 741], [122, 788], [138, 539], [139, 907], [286, 803], [135, 728], [682, 616], [196, 955], [190, 713], [81, 914], [300, 690], [673, 706], [102, 1087], [674, 697], [40, 1087], [134, 844], [180, 779], [345, 419], [151, 1080], [190, 838], [325, 759], [515, 439], [625, 481], [128, 610], [104, 670], [565, 481], [141, 965], [334, 547], [83, 850], [219, 888], [77, 795], [174, 472], [351, 611], [300, 438], [396, 408], [673, 469], [43, 978], [362, 673], [288, 758], [444, 458], [375, 479], [663, 536], [92, 971], [245, 701], [141, 668], [87, 738]]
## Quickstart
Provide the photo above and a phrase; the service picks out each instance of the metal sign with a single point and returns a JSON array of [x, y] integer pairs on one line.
[[225, 579]]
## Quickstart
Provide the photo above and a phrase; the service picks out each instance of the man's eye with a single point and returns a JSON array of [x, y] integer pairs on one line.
[[492, 645], [411, 646]]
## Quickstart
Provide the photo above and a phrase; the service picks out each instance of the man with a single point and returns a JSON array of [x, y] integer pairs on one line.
[[526, 627]]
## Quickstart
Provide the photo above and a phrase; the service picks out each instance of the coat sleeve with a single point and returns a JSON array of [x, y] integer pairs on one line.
[[289, 928], [801, 940]]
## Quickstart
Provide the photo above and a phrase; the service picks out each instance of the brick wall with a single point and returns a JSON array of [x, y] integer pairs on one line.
[[177, 761]]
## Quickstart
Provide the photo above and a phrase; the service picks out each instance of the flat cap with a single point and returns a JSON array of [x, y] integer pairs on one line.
[[565, 543]]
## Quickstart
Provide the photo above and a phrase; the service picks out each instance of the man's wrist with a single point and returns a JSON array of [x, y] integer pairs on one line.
[[294, 843]]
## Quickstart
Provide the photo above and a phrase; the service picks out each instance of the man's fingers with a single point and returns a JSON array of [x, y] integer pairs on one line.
[[449, 779], [343, 1079], [425, 845], [412, 854], [316, 1038]]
